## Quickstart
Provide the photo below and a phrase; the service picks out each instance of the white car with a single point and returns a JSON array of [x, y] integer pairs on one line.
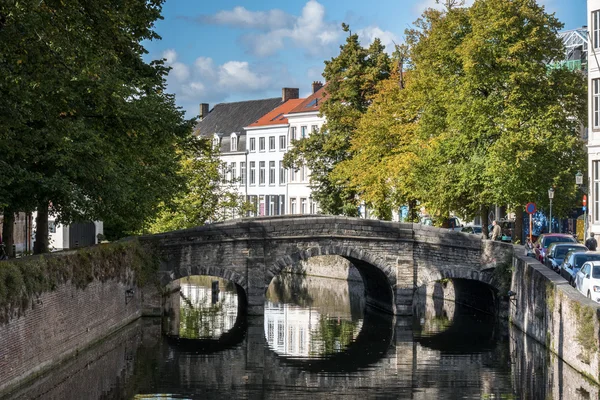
[[587, 280]]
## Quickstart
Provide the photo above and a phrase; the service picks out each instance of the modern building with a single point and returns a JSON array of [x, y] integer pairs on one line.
[[593, 143]]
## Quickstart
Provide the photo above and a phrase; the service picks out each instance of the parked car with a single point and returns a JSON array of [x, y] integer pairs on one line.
[[544, 240], [587, 280], [573, 262], [556, 252], [453, 223], [472, 229]]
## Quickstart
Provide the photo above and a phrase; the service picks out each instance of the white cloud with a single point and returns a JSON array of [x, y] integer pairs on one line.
[[369, 34], [240, 17], [277, 29], [203, 81]]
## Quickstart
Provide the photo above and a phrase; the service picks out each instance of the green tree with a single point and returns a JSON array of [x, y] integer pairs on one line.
[[99, 133], [495, 125], [203, 198], [351, 78]]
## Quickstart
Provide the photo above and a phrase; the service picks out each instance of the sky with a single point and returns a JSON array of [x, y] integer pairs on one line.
[[233, 50]]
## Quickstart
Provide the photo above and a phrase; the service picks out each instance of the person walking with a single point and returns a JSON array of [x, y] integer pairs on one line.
[[496, 231], [591, 243]]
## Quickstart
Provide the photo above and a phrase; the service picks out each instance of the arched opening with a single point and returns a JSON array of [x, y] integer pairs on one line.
[[204, 308], [316, 307], [457, 314]]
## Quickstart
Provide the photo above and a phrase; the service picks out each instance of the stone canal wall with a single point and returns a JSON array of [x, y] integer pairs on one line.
[[68, 312], [548, 309]]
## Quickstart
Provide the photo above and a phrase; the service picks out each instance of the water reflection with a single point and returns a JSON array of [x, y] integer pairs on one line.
[[201, 307], [307, 317], [445, 352]]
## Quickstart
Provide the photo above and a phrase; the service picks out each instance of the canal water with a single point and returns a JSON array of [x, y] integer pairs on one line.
[[315, 341]]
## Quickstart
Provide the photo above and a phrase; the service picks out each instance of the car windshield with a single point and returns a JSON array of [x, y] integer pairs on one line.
[[554, 239], [561, 251], [596, 271], [580, 259]]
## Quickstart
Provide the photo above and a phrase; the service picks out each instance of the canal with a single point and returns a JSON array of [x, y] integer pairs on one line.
[[316, 340]]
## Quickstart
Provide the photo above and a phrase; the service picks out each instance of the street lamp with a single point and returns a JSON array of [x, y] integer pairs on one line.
[[550, 196]]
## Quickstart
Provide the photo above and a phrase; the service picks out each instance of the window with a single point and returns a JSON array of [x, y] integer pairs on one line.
[[261, 172], [224, 172], [271, 143], [303, 205], [282, 205], [253, 172], [596, 29], [303, 131], [595, 103], [216, 142], [272, 172], [292, 133], [281, 173], [293, 172], [234, 142], [292, 206], [280, 333], [596, 189], [282, 143], [314, 129], [233, 170], [273, 205], [51, 227], [252, 144], [261, 144], [243, 173]]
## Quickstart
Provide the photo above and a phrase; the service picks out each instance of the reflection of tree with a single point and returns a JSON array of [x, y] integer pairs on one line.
[[199, 323], [290, 288], [332, 336]]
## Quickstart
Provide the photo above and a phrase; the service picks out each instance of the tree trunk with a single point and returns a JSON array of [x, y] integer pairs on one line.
[[41, 229], [483, 215], [8, 229], [412, 211], [517, 235]]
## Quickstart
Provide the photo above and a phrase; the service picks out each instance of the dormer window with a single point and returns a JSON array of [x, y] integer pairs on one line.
[[234, 142], [216, 142]]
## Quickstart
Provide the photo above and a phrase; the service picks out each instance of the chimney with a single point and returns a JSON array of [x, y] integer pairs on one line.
[[289, 93], [203, 110], [316, 85]]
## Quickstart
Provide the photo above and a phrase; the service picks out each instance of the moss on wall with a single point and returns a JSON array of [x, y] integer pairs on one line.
[[23, 280], [503, 276], [585, 330]]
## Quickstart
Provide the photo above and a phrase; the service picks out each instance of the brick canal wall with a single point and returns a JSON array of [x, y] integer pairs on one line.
[[548, 309], [61, 323], [54, 306]]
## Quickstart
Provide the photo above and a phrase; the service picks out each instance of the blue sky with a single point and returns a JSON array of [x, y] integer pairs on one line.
[[232, 50]]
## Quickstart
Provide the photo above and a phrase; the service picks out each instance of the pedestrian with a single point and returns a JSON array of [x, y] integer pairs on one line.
[[591, 243], [496, 231]]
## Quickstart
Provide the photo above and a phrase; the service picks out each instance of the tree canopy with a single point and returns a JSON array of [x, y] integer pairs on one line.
[[86, 128]]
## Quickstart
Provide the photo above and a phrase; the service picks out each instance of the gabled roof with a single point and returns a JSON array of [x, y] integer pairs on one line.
[[226, 118], [276, 117], [312, 102]]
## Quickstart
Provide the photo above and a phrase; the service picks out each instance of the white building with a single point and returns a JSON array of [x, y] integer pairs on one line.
[[594, 115], [267, 142], [303, 120]]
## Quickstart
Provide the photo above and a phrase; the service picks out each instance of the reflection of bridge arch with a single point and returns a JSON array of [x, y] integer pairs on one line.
[[378, 277], [228, 340], [370, 346]]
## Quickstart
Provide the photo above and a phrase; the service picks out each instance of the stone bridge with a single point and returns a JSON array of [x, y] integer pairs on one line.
[[394, 259]]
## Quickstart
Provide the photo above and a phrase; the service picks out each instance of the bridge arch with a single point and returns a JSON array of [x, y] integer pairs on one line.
[[378, 277]]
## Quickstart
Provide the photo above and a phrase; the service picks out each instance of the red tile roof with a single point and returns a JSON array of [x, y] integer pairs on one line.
[[312, 102], [276, 117]]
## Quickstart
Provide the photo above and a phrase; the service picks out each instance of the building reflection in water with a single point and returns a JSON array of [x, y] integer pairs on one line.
[[307, 317], [204, 307]]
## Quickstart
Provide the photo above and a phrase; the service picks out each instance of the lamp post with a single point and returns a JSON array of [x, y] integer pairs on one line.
[[579, 183], [550, 196]]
